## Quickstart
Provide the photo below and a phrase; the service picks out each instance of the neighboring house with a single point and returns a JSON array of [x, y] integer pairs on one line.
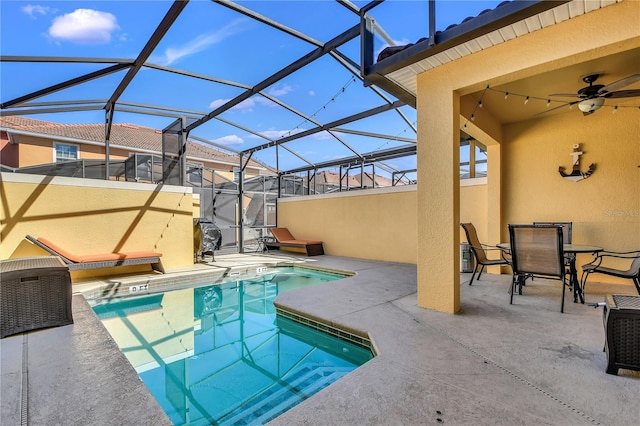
[[26, 142], [328, 181]]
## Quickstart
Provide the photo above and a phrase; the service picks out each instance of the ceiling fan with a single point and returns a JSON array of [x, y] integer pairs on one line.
[[592, 96]]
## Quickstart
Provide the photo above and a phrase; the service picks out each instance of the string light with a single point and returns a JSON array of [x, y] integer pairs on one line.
[[478, 105], [548, 101], [404, 131], [322, 108]]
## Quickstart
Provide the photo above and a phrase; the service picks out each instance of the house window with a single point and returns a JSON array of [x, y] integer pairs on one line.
[[65, 152]]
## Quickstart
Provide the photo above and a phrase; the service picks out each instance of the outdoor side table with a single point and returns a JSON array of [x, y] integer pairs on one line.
[[622, 332], [35, 292]]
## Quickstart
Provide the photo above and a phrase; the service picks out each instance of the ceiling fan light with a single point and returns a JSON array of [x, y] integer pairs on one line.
[[590, 105]]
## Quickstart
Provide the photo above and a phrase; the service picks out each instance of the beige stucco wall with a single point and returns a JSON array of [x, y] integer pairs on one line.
[[473, 206], [368, 224], [378, 224], [35, 150], [605, 208], [93, 216]]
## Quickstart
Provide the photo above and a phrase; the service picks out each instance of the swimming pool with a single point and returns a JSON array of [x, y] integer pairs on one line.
[[219, 354]]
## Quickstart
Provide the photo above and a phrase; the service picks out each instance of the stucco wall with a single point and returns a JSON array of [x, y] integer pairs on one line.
[[376, 224], [605, 208], [93, 216], [473, 207], [367, 224]]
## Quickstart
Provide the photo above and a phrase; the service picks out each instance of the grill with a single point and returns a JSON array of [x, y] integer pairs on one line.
[[206, 238]]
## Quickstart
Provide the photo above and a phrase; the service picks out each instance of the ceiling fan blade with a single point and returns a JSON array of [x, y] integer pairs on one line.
[[622, 94], [558, 107], [620, 84], [565, 95]]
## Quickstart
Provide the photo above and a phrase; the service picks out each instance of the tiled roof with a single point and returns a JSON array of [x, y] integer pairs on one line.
[[392, 50], [333, 178], [380, 180], [124, 135]]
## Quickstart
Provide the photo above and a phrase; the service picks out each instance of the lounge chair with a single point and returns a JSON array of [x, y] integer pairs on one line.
[[105, 260], [285, 239]]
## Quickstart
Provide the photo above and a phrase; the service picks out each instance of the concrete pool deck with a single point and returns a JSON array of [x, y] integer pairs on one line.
[[493, 363]]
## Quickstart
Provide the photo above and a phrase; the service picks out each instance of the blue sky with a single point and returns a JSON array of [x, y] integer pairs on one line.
[[213, 40]]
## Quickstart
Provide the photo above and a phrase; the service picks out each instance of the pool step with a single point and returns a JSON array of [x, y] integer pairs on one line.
[[275, 400]]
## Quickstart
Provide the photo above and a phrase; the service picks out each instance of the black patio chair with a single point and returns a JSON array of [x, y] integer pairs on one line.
[[596, 266], [536, 251], [480, 250]]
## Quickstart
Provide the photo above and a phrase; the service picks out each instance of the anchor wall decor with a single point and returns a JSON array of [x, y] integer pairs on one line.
[[576, 174]]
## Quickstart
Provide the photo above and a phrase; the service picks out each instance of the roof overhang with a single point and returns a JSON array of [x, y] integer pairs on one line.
[[397, 73]]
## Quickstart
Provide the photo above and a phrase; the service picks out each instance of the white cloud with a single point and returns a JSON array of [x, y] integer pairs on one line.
[[245, 106], [321, 136], [280, 91], [33, 10], [200, 43], [229, 140], [264, 101], [84, 26], [312, 93], [277, 134]]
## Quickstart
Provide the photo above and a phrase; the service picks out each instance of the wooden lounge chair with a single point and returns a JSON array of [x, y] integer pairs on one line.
[[105, 260], [285, 239]]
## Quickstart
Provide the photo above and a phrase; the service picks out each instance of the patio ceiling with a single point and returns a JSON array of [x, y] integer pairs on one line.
[[565, 80]]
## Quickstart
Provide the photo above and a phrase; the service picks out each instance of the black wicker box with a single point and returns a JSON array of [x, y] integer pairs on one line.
[[622, 332], [35, 292]]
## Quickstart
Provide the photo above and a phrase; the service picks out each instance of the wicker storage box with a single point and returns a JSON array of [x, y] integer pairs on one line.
[[35, 292], [622, 332]]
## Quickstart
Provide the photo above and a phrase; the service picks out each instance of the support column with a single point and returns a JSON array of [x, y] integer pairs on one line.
[[438, 197], [494, 205]]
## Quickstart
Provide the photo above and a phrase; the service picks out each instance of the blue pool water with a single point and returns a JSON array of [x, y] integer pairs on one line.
[[219, 354]]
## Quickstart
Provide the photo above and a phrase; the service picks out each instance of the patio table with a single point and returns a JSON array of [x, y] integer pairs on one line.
[[573, 272]]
